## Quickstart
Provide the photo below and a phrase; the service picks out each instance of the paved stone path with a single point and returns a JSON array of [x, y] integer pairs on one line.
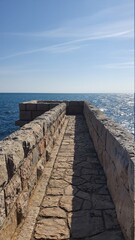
[[77, 204], [71, 200]]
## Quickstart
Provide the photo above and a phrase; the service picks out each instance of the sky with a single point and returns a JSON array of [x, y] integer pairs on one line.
[[67, 46]]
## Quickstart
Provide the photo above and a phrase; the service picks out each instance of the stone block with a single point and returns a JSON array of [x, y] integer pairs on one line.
[[14, 154], [53, 105], [82, 224], [22, 106], [40, 166], [25, 170], [75, 107], [12, 191], [21, 123], [131, 183], [127, 212], [35, 155], [25, 115], [30, 106], [32, 181], [35, 114], [25, 143], [21, 206], [41, 147], [2, 208], [9, 225], [35, 129], [43, 107], [3, 171], [54, 229]]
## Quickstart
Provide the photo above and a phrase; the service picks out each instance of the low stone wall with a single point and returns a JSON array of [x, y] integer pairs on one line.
[[22, 159], [116, 152], [28, 111]]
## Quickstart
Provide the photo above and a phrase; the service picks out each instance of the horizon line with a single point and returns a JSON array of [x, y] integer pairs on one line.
[[71, 92]]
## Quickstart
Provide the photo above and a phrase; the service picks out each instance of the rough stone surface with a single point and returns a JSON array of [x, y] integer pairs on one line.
[[116, 151], [69, 198], [21, 206], [52, 212], [76, 206], [2, 208], [12, 191], [3, 171], [25, 170], [82, 224], [51, 229]]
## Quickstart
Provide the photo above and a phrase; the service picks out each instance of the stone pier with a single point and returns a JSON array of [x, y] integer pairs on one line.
[[67, 174]]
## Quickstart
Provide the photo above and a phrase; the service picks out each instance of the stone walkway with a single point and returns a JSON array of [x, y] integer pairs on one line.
[[71, 200], [77, 204]]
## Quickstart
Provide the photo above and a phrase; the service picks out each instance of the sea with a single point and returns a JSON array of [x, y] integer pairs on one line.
[[119, 107]]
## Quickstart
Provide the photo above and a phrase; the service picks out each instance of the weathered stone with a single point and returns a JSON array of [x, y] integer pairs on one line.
[[36, 128], [87, 205], [70, 203], [3, 171], [52, 212], [32, 181], [54, 191], [57, 183], [21, 206], [41, 146], [51, 229], [102, 202], [70, 190], [115, 149], [83, 195], [12, 191], [111, 235], [68, 179], [90, 187], [63, 165], [9, 226], [14, 153], [82, 225], [25, 170], [50, 201], [22, 145], [86, 171], [2, 208], [25, 115], [40, 167], [110, 219], [35, 155]]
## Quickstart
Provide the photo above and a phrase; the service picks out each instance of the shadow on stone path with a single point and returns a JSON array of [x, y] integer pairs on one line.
[[77, 204]]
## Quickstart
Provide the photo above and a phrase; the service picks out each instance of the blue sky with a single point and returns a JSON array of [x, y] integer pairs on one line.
[[66, 46]]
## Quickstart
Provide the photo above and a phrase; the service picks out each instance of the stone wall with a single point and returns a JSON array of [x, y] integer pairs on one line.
[[116, 152], [22, 159], [28, 111]]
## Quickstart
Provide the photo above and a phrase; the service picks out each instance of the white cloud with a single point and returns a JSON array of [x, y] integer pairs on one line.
[[122, 65], [115, 22]]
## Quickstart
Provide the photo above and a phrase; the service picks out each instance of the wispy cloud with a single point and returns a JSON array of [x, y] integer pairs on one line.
[[69, 45], [111, 20], [76, 33], [122, 65], [5, 71]]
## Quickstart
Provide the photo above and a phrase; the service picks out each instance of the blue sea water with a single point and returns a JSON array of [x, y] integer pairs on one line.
[[119, 107]]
